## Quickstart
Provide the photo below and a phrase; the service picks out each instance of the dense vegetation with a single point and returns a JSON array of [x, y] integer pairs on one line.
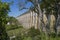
[[31, 34], [4, 8], [13, 24], [10, 29]]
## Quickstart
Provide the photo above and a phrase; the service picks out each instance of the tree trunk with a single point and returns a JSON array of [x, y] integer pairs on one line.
[[48, 24], [39, 16]]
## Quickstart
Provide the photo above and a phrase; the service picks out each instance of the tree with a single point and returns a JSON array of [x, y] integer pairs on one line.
[[13, 20], [13, 23], [51, 7], [37, 9], [4, 8]]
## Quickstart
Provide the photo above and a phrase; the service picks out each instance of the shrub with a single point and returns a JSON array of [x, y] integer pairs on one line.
[[33, 32], [59, 34], [12, 27], [53, 35]]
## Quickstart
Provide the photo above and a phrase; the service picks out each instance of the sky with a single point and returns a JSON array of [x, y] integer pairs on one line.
[[14, 8]]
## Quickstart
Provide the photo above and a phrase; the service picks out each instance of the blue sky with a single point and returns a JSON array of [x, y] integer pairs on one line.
[[15, 8]]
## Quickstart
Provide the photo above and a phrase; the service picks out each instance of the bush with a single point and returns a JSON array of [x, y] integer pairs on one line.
[[27, 38], [38, 37], [33, 32], [53, 35], [59, 34], [12, 27]]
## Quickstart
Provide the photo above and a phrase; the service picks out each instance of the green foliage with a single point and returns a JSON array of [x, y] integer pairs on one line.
[[30, 34], [53, 35], [33, 32], [50, 7], [4, 8], [59, 34], [12, 27], [27, 38], [13, 23]]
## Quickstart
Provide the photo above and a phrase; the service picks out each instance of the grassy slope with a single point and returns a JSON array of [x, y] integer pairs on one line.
[[14, 32]]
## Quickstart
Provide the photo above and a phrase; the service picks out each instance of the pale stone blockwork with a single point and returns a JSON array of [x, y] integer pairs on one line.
[[29, 19]]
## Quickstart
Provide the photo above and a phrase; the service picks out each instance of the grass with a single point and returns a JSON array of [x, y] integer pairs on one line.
[[17, 32], [14, 32]]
